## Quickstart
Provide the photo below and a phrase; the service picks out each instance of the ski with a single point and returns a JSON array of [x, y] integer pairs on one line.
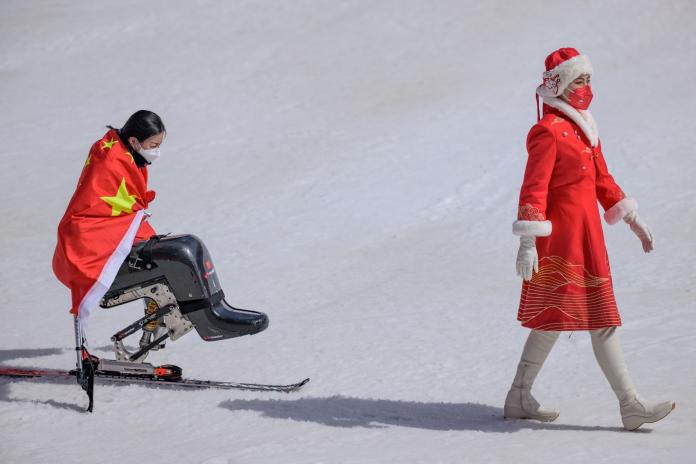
[[150, 381]]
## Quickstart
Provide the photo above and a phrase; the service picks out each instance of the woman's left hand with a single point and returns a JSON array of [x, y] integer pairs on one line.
[[641, 229]]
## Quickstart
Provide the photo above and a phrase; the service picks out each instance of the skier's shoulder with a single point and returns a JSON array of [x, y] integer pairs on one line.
[[110, 149]]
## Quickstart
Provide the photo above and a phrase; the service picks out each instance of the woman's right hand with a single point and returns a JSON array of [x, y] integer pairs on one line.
[[527, 258]]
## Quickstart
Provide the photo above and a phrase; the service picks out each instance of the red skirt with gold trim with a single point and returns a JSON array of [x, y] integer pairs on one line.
[[565, 296]]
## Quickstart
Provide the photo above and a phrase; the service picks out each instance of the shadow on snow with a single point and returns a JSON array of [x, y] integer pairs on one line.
[[341, 411]]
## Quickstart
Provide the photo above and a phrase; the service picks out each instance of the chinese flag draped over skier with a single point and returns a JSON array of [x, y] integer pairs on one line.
[[103, 219]]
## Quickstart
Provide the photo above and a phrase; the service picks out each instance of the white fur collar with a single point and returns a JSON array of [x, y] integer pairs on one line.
[[582, 118]]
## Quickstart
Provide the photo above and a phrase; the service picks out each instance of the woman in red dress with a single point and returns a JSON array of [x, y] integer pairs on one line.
[[562, 256]]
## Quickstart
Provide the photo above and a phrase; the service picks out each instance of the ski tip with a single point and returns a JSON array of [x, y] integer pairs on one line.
[[299, 385], [293, 387]]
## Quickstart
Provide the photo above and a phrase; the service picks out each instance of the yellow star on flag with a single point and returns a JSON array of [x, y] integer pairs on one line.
[[122, 201], [109, 144], [131, 156], [89, 158]]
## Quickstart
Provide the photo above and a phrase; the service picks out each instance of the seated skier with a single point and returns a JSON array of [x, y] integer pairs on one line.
[[105, 235], [106, 214]]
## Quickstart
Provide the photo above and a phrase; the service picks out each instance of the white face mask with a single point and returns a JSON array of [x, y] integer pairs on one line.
[[150, 155]]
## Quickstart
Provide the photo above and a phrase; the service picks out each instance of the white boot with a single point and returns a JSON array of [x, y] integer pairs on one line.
[[635, 411], [519, 403]]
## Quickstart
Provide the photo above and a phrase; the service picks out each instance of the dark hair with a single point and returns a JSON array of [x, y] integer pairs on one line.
[[142, 125]]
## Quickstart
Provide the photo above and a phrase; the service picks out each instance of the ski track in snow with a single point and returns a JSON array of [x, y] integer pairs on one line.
[[353, 167]]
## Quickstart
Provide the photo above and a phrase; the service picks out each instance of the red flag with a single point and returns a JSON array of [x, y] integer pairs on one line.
[[103, 218]]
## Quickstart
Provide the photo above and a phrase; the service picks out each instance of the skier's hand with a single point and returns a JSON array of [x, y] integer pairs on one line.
[[527, 258], [641, 229]]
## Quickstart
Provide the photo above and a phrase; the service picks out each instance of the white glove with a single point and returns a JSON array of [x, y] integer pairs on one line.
[[527, 258], [640, 228]]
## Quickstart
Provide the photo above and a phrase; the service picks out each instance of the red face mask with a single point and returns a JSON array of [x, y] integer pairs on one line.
[[580, 98]]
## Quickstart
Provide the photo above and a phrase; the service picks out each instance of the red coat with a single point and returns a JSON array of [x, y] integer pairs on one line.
[[104, 217], [565, 177]]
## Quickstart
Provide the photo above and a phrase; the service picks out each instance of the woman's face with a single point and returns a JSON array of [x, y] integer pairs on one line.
[[149, 143]]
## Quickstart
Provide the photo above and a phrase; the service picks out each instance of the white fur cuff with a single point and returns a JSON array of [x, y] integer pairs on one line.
[[620, 210], [532, 228]]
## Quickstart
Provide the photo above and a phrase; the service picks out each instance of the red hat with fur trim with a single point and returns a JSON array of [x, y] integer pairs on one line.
[[562, 66]]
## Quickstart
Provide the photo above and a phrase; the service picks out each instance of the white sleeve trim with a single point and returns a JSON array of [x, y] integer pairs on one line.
[[532, 228], [620, 210]]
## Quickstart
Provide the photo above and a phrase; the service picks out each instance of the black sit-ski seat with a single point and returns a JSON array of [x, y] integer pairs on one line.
[[177, 270]]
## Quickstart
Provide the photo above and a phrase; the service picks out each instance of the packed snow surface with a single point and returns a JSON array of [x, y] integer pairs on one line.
[[354, 168]]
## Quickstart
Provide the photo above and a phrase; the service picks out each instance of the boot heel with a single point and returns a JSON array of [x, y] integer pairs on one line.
[[513, 412], [522, 405]]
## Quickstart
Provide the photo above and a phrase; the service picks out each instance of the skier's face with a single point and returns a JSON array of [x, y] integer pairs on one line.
[[149, 143]]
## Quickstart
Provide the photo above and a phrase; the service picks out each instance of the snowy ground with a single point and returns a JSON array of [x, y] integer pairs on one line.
[[354, 169]]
